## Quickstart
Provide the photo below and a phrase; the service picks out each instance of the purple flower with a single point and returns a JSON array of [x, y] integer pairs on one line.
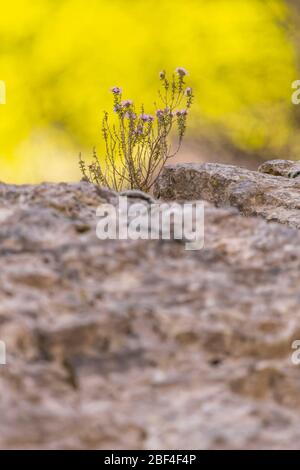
[[116, 90], [162, 75], [139, 130], [117, 108], [181, 113], [160, 113], [127, 103], [130, 115], [146, 117], [168, 112], [181, 71], [188, 91]]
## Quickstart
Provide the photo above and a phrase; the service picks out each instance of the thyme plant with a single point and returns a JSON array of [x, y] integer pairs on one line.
[[138, 145]]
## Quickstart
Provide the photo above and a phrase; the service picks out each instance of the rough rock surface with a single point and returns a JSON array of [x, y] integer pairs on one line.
[[141, 344], [286, 168], [277, 198]]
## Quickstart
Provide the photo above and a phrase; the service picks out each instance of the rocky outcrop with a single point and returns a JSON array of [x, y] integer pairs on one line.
[[142, 344], [276, 198], [286, 168]]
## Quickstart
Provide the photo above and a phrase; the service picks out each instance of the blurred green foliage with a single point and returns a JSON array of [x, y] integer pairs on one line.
[[59, 59]]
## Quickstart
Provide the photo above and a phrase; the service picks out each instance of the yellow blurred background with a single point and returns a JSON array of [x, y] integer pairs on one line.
[[59, 59]]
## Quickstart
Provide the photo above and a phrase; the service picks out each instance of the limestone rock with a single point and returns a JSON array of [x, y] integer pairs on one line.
[[142, 344], [275, 198], [286, 168]]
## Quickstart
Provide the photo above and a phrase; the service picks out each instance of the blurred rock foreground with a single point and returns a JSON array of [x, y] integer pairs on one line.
[[141, 344]]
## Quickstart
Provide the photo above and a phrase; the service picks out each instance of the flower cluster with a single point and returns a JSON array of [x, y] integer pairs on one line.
[[181, 71], [127, 103], [137, 145], [146, 117], [116, 90]]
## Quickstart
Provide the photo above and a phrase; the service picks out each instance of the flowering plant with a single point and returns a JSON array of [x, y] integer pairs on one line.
[[137, 147]]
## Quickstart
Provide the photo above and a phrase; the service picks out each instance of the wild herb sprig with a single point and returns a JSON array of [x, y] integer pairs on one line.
[[138, 145]]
